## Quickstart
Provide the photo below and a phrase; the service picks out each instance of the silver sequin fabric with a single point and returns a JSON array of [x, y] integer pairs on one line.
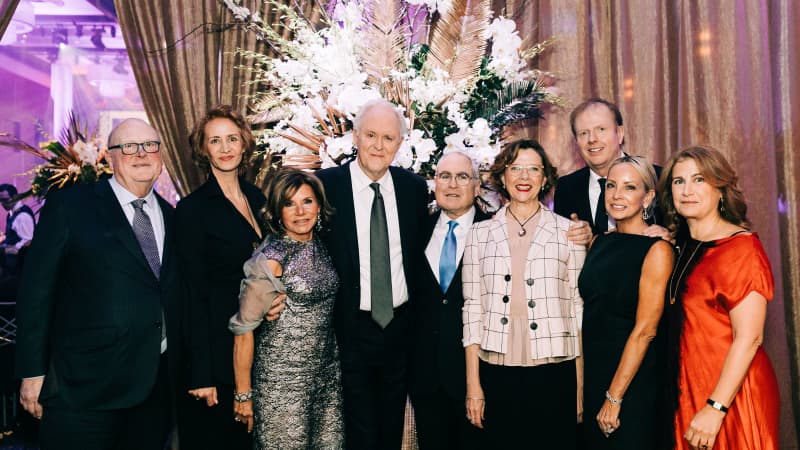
[[296, 377]]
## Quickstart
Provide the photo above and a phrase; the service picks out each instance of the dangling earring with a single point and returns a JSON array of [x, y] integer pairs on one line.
[[646, 212], [318, 225], [722, 204]]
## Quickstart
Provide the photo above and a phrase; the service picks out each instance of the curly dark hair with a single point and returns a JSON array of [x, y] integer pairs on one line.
[[506, 157], [198, 137], [718, 173], [281, 187]]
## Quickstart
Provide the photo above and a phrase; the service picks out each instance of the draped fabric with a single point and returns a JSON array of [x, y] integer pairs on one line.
[[7, 8], [683, 72]]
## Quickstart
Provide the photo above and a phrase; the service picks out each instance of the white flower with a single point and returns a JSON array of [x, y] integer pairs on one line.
[[87, 152], [336, 147], [479, 134], [74, 169], [404, 157], [455, 142], [239, 12], [423, 147], [351, 98]]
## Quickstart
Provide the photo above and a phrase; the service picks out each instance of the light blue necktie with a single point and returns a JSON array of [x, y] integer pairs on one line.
[[447, 261]]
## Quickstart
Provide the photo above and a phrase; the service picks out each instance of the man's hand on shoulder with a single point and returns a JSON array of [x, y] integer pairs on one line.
[[580, 232], [29, 392], [659, 232]]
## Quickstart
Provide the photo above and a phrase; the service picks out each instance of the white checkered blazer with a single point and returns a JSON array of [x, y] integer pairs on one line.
[[553, 264]]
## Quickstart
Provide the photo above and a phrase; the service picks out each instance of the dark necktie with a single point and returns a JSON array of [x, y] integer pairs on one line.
[[143, 229], [379, 261], [600, 215], [447, 260]]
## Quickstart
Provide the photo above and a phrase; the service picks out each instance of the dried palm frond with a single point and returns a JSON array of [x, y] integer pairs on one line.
[[9, 140], [458, 43], [521, 100], [383, 44], [335, 126]]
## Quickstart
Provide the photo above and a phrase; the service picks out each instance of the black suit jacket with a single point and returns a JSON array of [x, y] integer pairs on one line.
[[214, 242], [572, 196], [437, 357], [411, 197], [89, 310]]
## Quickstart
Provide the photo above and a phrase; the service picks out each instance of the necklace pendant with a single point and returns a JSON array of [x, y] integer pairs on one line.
[[521, 232], [672, 301]]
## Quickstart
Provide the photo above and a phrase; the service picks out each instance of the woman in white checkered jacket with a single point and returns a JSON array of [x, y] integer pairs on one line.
[[522, 311]]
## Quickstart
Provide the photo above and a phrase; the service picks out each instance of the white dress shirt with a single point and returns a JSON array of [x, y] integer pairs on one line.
[[434, 249], [594, 194], [151, 207], [362, 201], [23, 225]]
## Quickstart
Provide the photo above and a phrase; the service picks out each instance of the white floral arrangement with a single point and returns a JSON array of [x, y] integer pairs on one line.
[[427, 57]]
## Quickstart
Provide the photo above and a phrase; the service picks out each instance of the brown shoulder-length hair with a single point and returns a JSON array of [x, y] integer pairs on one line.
[[717, 172], [506, 157], [197, 140], [281, 187]]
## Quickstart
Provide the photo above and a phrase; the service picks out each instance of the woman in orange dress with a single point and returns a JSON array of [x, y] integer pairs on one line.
[[727, 394]]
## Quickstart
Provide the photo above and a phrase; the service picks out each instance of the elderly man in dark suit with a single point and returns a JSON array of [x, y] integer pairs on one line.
[[92, 341], [598, 130], [438, 374], [374, 241]]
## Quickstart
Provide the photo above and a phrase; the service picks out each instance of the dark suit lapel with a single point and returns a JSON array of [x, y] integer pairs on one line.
[[110, 212], [405, 213], [346, 214], [584, 203], [169, 235], [429, 227]]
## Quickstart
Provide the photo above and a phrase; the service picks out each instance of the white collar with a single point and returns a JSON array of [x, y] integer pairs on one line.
[[361, 181], [125, 196]]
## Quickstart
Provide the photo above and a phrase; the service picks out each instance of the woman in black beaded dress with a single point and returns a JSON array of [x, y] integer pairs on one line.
[[291, 364], [622, 284]]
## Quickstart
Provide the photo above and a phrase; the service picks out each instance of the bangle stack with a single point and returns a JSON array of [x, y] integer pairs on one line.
[[614, 401], [241, 397]]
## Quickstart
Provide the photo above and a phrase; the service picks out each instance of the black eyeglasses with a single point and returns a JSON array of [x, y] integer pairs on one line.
[[132, 148]]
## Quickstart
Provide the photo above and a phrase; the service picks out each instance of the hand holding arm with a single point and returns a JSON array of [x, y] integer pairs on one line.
[[580, 232]]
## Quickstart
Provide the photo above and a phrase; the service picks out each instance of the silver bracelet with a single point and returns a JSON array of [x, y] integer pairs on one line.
[[243, 396], [614, 401]]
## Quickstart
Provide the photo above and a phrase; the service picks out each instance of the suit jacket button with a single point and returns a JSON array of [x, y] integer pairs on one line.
[[529, 281], [505, 299], [507, 277], [532, 304], [504, 320], [534, 326], [444, 301]]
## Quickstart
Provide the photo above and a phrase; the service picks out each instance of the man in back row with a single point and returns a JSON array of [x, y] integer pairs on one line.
[[598, 130]]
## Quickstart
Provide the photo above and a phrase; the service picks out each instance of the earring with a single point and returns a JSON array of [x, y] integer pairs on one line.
[[646, 213], [318, 225], [722, 204]]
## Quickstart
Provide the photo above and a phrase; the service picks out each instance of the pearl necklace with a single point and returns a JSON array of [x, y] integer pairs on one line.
[[522, 231]]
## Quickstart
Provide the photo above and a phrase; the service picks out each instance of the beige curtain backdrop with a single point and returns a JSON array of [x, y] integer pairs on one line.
[[7, 8], [718, 72]]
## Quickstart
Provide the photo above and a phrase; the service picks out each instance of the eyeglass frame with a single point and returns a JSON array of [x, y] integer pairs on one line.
[[140, 146], [527, 169], [455, 176]]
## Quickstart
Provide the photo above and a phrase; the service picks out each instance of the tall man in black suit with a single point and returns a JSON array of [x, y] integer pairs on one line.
[[374, 241], [438, 372], [92, 344], [599, 132]]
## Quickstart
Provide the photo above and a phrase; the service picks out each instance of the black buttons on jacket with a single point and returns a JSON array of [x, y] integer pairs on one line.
[[529, 281], [531, 304], [444, 301], [505, 299], [507, 277], [504, 320], [534, 326]]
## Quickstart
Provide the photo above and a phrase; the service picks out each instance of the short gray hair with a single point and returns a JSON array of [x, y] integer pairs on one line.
[[476, 173], [378, 102]]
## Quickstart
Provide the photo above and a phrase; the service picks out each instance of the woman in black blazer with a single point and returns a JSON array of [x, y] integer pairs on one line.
[[218, 231]]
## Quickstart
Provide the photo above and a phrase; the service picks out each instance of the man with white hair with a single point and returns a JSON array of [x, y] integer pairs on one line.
[[374, 242]]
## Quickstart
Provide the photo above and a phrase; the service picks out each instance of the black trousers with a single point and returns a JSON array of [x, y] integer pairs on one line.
[[145, 426], [202, 427], [375, 381], [530, 407], [442, 423]]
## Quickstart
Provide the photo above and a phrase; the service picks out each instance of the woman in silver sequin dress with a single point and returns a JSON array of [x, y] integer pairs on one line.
[[292, 362]]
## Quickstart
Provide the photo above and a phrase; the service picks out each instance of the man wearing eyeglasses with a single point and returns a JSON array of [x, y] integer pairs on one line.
[[438, 374], [97, 311]]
